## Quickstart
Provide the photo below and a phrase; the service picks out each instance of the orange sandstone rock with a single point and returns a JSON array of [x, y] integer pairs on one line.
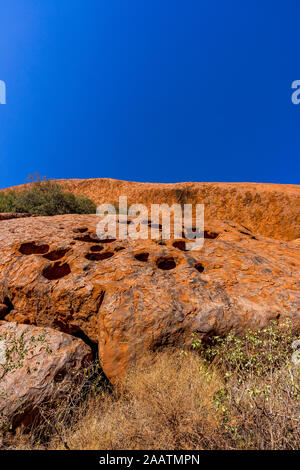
[[272, 210], [128, 296]]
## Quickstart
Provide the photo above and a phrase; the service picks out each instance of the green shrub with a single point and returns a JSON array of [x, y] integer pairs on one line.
[[256, 351], [45, 198], [8, 201], [260, 395]]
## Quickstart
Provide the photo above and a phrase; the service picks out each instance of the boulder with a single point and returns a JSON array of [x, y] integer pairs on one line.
[[127, 296], [36, 365]]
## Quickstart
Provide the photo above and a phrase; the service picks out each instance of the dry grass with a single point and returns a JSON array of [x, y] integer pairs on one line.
[[177, 400], [166, 406]]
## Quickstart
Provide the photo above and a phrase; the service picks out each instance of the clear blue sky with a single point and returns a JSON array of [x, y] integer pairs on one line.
[[150, 90]]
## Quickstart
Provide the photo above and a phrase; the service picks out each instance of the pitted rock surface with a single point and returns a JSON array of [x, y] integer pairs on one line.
[[130, 295]]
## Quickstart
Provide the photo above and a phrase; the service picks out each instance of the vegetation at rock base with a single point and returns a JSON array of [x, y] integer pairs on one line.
[[233, 393], [44, 197]]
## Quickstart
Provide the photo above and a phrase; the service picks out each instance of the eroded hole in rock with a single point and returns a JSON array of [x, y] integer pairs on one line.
[[107, 240], [99, 256], [80, 230], [33, 249], [56, 254], [120, 248], [191, 233], [210, 235], [56, 271], [142, 256], [88, 239], [166, 263], [96, 248], [180, 244], [199, 267]]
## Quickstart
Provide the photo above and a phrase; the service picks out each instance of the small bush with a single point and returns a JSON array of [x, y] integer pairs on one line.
[[256, 353], [260, 398], [45, 198]]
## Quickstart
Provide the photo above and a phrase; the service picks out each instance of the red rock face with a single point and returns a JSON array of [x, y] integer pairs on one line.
[[14, 215], [271, 210], [129, 295]]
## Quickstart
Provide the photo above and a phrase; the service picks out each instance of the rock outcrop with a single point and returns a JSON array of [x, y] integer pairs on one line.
[[14, 215], [130, 295], [36, 366], [271, 210]]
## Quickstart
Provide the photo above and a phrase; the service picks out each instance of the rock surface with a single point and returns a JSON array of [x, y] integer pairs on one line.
[[33, 363], [129, 295], [14, 215], [272, 210]]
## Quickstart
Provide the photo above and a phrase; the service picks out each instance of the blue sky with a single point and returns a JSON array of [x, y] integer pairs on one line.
[[160, 90]]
